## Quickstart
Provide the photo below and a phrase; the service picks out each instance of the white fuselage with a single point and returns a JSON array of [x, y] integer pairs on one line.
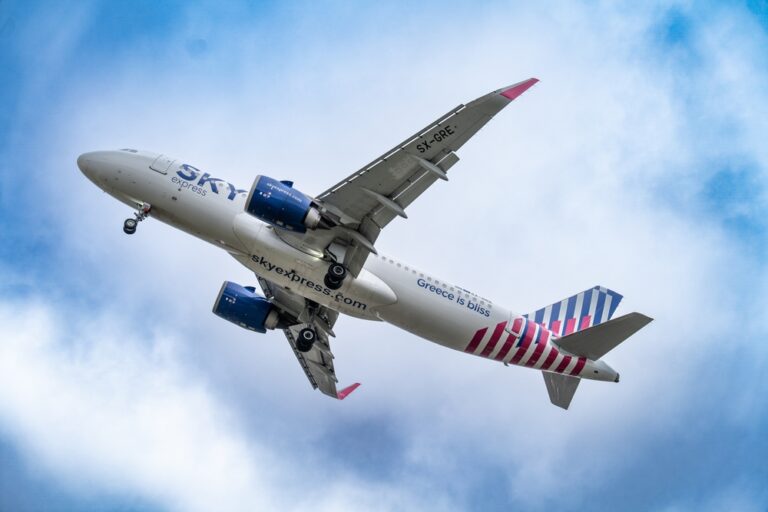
[[385, 290]]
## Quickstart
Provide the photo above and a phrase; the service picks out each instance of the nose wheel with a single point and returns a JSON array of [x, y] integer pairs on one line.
[[306, 339], [334, 278], [130, 225]]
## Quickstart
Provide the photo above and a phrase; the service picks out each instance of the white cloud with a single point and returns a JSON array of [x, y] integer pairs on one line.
[[94, 406], [90, 403]]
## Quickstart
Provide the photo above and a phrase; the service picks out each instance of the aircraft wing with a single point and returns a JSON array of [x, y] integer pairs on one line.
[[372, 197], [318, 362]]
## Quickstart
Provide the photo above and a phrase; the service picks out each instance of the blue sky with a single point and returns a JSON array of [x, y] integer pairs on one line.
[[637, 163]]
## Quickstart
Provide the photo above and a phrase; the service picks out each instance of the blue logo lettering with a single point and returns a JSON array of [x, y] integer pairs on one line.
[[190, 173]]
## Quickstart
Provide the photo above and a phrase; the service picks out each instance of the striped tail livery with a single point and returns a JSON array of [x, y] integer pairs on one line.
[[564, 340]]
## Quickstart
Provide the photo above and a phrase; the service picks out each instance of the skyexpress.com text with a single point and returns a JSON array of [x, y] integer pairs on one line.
[[296, 278]]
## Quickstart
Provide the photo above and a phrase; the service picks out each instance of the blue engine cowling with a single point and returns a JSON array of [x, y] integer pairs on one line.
[[242, 306], [279, 204]]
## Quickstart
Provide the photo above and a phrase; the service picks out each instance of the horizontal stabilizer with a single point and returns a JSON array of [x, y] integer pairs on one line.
[[595, 342], [561, 388]]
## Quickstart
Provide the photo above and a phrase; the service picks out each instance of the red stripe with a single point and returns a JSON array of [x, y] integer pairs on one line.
[[510, 341], [494, 339], [539, 349], [563, 364], [505, 348], [585, 322], [476, 340], [550, 358], [570, 324], [579, 365], [517, 325], [526, 341], [555, 328]]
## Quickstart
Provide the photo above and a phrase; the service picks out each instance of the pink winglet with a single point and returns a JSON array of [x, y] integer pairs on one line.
[[344, 393], [519, 88]]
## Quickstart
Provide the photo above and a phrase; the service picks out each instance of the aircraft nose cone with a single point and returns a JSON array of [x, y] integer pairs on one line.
[[83, 162]]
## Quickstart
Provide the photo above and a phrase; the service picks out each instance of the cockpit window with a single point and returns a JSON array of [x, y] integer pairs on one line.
[[129, 150]]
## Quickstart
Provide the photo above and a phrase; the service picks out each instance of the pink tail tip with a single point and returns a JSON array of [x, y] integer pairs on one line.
[[344, 393], [519, 88]]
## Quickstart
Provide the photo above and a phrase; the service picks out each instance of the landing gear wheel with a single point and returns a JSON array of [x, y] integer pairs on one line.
[[335, 276], [331, 283], [306, 339], [129, 226], [337, 271]]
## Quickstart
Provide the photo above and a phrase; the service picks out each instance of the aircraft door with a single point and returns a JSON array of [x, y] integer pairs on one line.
[[161, 164]]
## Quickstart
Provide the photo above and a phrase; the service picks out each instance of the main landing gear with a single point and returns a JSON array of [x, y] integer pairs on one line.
[[335, 276], [306, 339], [129, 226], [308, 335]]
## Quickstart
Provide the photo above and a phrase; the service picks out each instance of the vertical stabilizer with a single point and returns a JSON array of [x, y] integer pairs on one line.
[[561, 388], [581, 311]]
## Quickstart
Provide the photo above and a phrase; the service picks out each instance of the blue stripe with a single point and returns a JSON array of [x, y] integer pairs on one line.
[[522, 335], [539, 316], [555, 313], [585, 306], [599, 308], [571, 307]]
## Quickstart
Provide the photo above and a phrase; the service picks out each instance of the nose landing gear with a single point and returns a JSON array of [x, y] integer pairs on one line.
[[129, 226], [335, 276]]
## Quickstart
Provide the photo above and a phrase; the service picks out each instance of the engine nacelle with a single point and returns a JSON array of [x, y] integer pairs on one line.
[[279, 204], [242, 306]]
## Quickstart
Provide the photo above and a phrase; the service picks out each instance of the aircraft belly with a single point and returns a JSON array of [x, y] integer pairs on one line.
[[433, 316], [272, 259]]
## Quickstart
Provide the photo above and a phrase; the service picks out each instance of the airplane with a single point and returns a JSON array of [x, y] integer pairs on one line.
[[315, 257]]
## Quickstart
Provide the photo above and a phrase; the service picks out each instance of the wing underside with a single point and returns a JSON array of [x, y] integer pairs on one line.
[[317, 363]]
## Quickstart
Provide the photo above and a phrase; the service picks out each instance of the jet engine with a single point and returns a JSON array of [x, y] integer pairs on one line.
[[279, 204], [242, 306]]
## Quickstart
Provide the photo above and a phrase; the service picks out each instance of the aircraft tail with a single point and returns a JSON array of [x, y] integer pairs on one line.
[[592, 343], [581, 311]]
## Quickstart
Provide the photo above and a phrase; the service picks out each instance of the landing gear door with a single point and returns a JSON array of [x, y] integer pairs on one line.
[[161, 164]]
